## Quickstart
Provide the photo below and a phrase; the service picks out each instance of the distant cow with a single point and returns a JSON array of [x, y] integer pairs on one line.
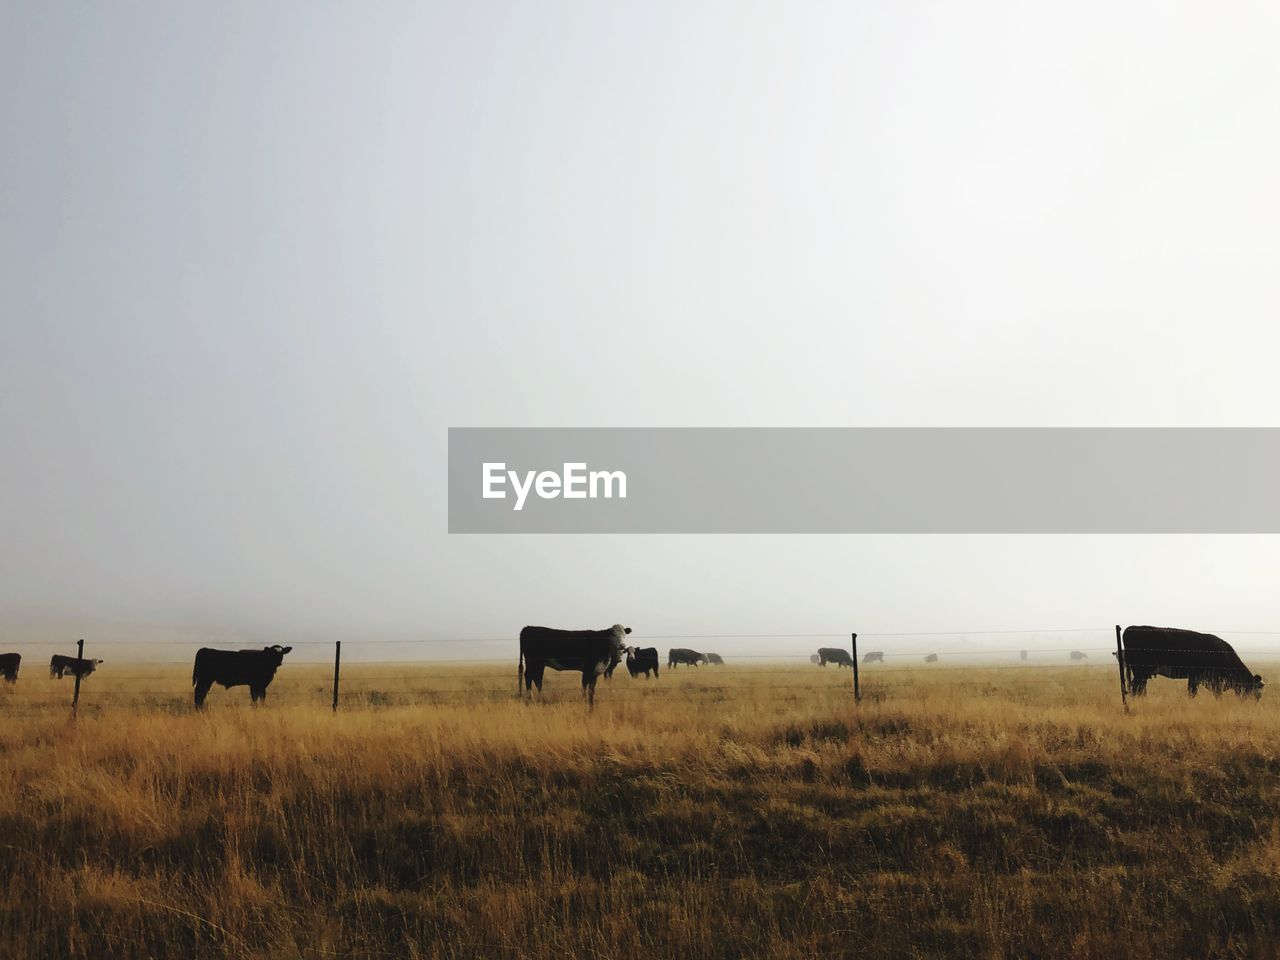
[[715, 659], [9, 663], [875, 656], [254, 669], [837, 655], [592, 652], [814, 658], [931, 658], [1198, 658], [1079, 655], [642, 660], [679, 655], [60, 665]]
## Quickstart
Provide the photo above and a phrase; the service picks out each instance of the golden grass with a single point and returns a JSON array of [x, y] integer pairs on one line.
[[957, 812]]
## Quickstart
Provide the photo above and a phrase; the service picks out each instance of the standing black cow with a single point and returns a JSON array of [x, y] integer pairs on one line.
[[837, 655], [679, 655], [594, 652], [1198, 658], [60, 665], [642, 660], [931, 658], [875, 656], [254, 669], [715, 659], [9, 663]]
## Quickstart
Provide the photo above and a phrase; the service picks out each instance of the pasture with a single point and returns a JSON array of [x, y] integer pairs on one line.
[[727, 812]]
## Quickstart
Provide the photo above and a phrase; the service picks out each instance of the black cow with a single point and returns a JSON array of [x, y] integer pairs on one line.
[[60, 665], [593, 652], [931, 658], [1198, 658], [715, 659], [1079, 655], [837, 655], [254, 669], [642, 660], [875, 656], [9, 663], [679, 655]]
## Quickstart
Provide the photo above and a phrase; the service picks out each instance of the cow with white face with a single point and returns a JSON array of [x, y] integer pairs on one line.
[[593, 652]]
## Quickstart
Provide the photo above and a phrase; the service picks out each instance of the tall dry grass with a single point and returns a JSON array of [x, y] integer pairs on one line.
[[727, 813]]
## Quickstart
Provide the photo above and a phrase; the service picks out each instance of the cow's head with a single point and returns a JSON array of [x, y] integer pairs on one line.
[[95, 662], [278, 650], [1258, 685], [631, 654]]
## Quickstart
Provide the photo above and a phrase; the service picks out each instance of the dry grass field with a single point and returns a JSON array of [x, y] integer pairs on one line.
[[741, 811]]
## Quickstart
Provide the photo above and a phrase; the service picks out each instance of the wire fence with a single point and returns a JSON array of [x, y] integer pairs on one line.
[[381, 675]]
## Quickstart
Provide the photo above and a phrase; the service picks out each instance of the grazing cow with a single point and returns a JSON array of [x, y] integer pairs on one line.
[[642, 660], [254, 669], [593, 652], [837, 655], [931, 658], [715, 659], [875, 656], [9, 663], [678, 655], [1079, 655], [1198, 658], [60, 665], [814, 658]]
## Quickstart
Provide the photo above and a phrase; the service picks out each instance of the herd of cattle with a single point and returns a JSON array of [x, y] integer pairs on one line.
[[1201, 659]]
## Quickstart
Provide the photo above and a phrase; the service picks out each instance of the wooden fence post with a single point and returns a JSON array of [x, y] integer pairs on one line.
[[75, 697], [857, 692], [1124, 693], [337, 662]]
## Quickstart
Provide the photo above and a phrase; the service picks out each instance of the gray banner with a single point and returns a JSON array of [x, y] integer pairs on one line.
[[812, 480]]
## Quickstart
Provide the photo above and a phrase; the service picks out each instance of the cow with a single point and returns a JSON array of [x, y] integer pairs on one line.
[[1198, 658], [875, 656], [837, 655], [642, 660], [254, 669], [715, 659], [593, 652], [1078, 655], [931, 658], [60, 665], [9, 663], [678, 655]]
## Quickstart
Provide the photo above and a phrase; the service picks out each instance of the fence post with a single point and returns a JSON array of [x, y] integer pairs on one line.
[[337, 662], [857, 692], [1124, 693], [75, 697]]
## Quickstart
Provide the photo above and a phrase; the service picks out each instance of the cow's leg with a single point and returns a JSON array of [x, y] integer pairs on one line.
[[257, 694], [1138, 684], [1193, 685], [202, 691], [589, 687]]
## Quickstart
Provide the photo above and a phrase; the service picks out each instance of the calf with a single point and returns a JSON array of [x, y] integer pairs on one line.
[[60, 665], [875, 656], [254, 669], [642, 660], [9, 663]]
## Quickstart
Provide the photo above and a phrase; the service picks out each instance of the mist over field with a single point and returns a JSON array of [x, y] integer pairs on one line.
[[254, 261]]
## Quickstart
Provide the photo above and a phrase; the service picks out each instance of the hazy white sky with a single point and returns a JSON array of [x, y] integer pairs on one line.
[[256, 258]]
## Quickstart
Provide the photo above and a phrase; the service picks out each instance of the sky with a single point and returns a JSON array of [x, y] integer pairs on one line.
[[256, 259]]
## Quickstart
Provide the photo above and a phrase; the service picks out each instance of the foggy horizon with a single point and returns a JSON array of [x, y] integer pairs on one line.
[[254, 263]]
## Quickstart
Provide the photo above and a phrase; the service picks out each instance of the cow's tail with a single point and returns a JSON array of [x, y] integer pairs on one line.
[[195, 669], [520, 673]]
